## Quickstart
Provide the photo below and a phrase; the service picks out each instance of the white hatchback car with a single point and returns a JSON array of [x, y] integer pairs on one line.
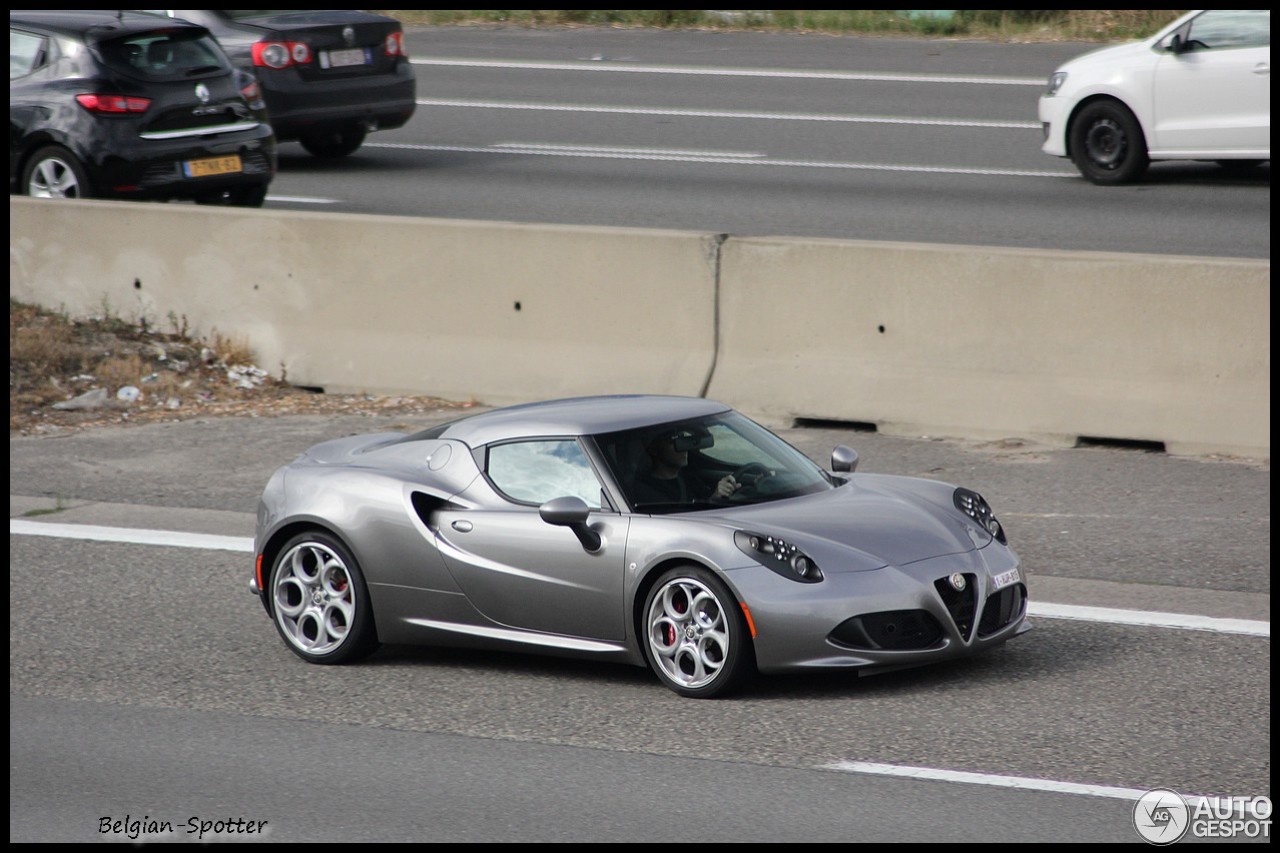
[[1200, 89]]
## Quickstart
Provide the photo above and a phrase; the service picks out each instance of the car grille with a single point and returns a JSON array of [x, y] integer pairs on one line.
[[961, 604], [893, 630], [1002, 608]]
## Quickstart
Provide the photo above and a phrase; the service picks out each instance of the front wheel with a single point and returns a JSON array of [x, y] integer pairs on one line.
[[338, 142], [319, 600], [54, 172], [695, 635], [1107, 144]]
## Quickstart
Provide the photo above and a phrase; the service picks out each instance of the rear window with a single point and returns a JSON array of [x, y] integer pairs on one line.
[[164, 55], [246, 14]]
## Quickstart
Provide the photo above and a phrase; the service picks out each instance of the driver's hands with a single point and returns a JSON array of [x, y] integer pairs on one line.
[[726, 487]]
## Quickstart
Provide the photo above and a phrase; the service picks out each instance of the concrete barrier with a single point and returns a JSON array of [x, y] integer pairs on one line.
[[969, 341], [917, 339], [491, 311]]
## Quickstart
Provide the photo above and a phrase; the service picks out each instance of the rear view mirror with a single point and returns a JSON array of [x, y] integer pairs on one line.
[[571, 512], [844, 459]]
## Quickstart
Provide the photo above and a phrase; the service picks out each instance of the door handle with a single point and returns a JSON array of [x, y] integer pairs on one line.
[[462, 526]]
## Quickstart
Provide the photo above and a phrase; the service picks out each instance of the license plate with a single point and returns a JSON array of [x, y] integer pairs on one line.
[[212, 166], [345, 58], [1003, 580]]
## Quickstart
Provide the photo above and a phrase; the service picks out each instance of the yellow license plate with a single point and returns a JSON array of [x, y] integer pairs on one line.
[[212, 166]]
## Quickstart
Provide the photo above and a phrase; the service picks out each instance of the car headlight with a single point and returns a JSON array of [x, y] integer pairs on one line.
[[1056, 79], [976, 507], [776, 553]]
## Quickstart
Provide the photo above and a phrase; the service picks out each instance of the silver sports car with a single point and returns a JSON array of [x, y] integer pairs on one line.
[[670, 532]]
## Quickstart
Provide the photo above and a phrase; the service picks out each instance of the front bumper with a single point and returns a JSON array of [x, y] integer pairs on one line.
[[1055, 113], [888, 618]]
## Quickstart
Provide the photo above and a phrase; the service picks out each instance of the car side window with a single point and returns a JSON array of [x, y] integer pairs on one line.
[[537, 471], [1226, 28], [26, 53]]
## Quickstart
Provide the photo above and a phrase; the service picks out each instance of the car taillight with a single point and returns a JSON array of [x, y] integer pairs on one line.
[[394, 45], [113, 104], [280, 54]]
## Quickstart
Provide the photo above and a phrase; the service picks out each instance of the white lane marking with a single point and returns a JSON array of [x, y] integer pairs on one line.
[[778, 73], [299, 199], [1022, 783], [722, 160], [1039, 609], [666, 111], [609, 149], [1149, 618], [133, 536]]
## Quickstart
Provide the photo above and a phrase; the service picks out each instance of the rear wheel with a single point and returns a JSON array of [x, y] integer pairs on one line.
[[251, 196], [695, 635], [54, 172], [1107, 144], [319, 600], [336, 142]]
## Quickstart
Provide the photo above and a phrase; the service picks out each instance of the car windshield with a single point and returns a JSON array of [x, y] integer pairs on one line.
[[709, 462]]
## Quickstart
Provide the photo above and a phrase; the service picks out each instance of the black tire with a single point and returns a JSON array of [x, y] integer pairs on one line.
[[1107, 144], [319, 600], [250, 196], [337, 142], [54, 172], [694, 634]]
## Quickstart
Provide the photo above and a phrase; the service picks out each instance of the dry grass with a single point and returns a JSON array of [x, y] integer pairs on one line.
[[54, 360], [1000, 24]]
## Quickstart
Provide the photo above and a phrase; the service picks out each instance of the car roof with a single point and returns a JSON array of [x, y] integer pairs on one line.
[[576, 416], [77, 22]]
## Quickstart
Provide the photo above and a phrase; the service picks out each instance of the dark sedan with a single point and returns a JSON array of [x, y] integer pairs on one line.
[[329, 77], [109, 104]]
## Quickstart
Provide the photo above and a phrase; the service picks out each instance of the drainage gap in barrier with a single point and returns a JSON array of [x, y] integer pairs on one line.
[[312, 389], [828, 423], [1120, 443]]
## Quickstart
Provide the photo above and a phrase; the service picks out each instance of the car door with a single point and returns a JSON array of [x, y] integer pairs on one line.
[[522, 572], [1215, 96]]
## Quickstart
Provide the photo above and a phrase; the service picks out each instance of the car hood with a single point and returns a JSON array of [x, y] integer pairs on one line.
[[1112, 56], [866, 524]]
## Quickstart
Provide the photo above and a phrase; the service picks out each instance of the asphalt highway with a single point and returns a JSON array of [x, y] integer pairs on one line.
[[146, 680], [916, 140]]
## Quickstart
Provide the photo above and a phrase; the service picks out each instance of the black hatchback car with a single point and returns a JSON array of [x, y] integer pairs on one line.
[[329, 77], [107, 104]]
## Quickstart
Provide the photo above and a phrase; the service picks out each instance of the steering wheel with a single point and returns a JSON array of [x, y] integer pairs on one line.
[[749, 477], [756, 471]]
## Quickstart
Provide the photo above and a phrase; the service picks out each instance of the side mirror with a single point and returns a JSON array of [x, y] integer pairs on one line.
[[572, 512], [1173, 43], [844, 459]]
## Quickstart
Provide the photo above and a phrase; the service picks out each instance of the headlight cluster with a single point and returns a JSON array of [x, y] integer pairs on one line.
[[976, 507], [776, 553], [1056, 79]]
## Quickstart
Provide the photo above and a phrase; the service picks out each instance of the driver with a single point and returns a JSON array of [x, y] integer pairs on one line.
[[668, 480]]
